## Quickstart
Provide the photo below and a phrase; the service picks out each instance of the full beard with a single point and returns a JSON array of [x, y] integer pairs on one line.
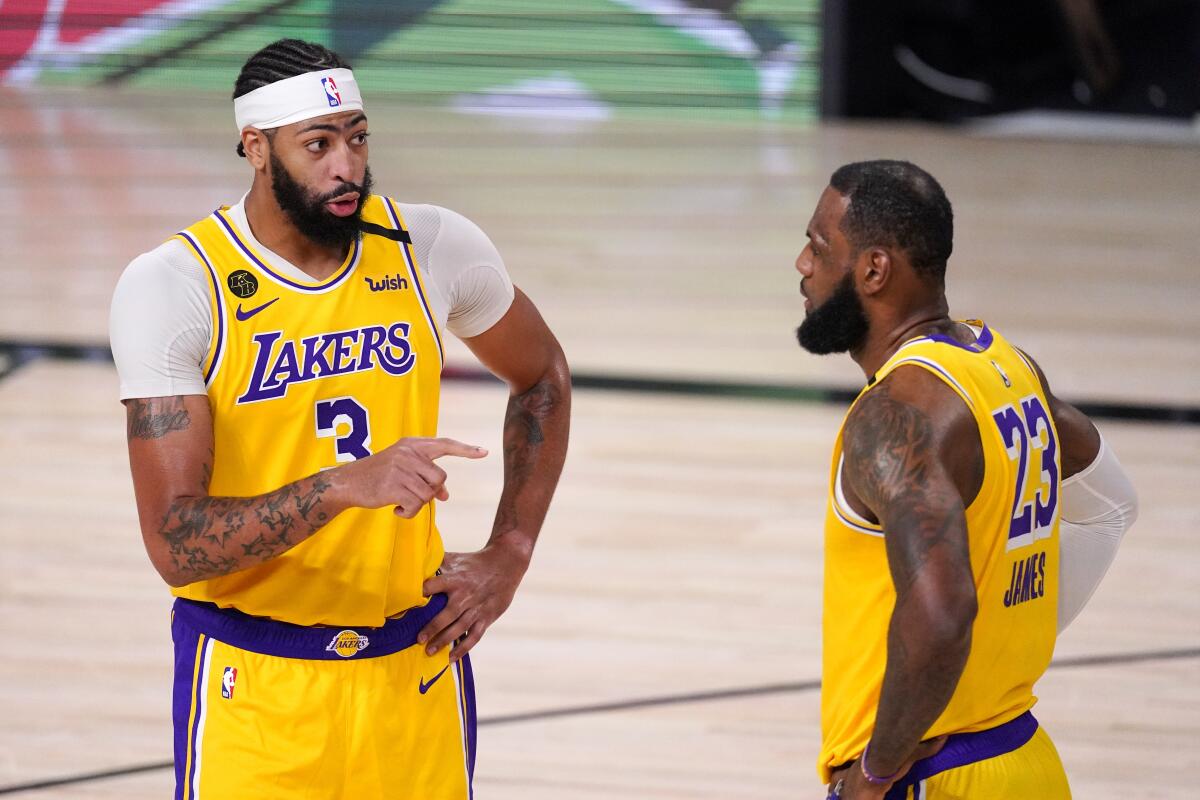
[[838, 325], [308, 213]]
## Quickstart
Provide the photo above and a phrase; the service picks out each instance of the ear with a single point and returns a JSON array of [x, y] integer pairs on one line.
[[877, 266], [256, 145]]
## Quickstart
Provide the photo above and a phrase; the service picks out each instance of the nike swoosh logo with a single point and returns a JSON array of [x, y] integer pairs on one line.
[[424, 687], [245, 315]]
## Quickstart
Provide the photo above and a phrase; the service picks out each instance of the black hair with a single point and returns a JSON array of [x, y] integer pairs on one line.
[[897, 203], [285, 58]]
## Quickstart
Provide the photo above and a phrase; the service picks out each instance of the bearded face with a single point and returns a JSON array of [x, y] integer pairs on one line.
[[306, 209], [838, 325]]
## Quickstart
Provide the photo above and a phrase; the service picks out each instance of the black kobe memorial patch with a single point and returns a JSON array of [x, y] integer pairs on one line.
[[242, 283]]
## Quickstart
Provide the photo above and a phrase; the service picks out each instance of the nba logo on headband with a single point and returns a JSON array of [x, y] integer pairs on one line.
[[331, 92], [295, 100]]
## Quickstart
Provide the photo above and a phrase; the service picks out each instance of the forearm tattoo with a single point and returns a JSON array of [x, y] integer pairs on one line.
[[207, 537], [155, 417], [212, 536], [890, 461], [535, 427]]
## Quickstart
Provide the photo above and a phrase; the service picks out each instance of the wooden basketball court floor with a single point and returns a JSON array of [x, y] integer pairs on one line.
[[665, 643]]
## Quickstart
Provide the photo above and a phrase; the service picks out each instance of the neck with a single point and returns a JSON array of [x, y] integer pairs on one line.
[[885, 337], [271, 226]]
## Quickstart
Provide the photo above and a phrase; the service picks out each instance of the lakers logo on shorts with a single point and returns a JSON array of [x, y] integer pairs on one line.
[[347, 643]]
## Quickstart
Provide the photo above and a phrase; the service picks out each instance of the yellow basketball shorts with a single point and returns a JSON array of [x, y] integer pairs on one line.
[[1016, 759], [265, 709]]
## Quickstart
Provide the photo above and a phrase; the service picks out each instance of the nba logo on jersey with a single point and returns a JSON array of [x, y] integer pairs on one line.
[[227, 681], [331, 92]]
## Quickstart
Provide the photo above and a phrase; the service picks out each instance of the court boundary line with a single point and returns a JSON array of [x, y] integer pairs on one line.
[[21, 353], [632, 705]]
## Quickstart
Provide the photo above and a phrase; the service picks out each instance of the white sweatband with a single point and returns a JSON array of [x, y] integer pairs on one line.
[[295, 99], [1099, 505]]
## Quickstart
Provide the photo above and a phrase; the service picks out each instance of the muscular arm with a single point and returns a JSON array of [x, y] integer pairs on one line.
[[898, 441], [191, 536], [521, 350]]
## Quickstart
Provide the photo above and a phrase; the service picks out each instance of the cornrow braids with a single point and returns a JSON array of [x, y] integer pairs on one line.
[[285, 58]]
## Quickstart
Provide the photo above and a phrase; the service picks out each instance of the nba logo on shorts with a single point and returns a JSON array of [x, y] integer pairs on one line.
[[227, 681], [331, 92]]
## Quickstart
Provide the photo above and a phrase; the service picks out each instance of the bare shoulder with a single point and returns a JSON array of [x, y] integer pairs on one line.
[[908, 396], [890, 436], [905, 431]]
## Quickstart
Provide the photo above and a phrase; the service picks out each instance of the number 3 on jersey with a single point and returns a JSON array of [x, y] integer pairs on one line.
[[1026, 429], [345, 419]]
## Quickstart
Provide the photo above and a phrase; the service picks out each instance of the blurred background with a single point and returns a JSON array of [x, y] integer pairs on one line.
[[647, 169]]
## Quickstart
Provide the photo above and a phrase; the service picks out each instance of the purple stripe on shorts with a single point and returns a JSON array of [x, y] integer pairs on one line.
[[182, 693], [472, 721], [194, 737], [968, 748], [315, 643]]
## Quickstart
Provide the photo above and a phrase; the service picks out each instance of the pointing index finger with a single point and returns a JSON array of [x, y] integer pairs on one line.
[[443, 446]]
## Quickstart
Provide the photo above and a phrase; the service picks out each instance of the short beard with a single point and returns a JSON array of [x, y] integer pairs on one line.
[[307, 211], [838, 325]]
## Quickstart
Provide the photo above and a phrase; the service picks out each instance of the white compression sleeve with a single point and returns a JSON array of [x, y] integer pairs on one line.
[[160, 323], [1099, 505]]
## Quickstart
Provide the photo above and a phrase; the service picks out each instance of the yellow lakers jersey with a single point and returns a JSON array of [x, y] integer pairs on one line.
[[303, 376], [1012, 527]]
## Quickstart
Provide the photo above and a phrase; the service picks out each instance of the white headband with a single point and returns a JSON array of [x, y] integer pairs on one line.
[[313, 94]]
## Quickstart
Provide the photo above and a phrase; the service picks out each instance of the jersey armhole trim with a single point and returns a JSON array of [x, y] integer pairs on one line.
[[414, 272], [216, 345], [847, 515]]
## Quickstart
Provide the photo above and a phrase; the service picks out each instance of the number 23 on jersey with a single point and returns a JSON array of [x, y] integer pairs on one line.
[[1029, 438]]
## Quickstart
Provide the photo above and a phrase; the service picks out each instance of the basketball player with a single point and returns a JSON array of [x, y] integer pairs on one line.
[[955, 479], [280, 363]]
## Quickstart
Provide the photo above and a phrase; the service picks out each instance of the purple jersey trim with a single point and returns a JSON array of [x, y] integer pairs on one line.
[[982, 343], [968, 748], [334, 281], [412, 268], [212, 274], [285, 640]]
